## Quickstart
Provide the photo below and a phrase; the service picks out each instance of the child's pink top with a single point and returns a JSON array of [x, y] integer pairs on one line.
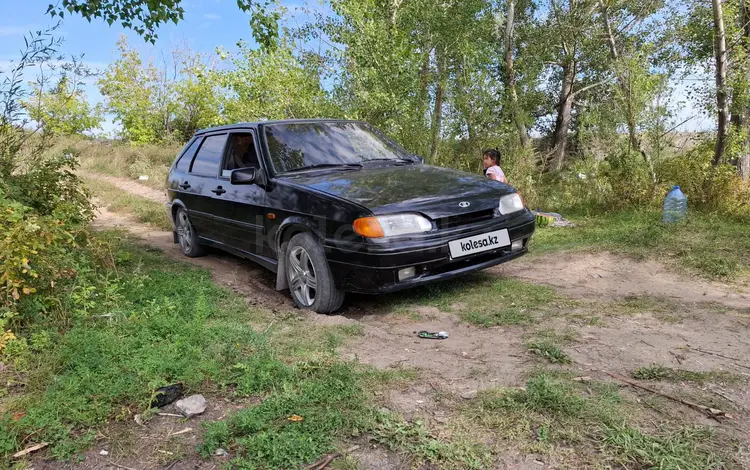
[[494, 172]]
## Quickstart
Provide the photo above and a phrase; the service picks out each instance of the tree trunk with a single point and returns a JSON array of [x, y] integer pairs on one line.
[[720, 49], [741, 118], [510, 75], [437, 113], [623, 80], [564, 116]]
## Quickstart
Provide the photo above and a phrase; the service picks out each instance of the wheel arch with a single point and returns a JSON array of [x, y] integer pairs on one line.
[[288, 229]]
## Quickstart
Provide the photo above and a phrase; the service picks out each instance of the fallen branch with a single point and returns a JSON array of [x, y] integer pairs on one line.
[[186, 430], [30, 449], [323, 462], [718, 355], [123, 467], [710, 412]]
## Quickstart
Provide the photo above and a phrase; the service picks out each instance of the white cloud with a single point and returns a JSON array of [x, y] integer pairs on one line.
[[16, 30], [211, 16]]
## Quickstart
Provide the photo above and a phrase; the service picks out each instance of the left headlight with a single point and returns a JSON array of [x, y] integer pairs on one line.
[[391, 225], [510, 203]]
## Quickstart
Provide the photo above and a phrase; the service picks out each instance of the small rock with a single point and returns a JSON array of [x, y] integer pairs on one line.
[[192, 405], [441, 419], [384, 410], [103, 452], [470, 395], [220, 452]]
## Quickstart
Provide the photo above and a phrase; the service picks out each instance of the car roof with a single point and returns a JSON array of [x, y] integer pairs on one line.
[[247, 125]]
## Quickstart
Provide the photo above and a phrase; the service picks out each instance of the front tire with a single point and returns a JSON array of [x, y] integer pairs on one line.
[[309, 276], [187, 237]]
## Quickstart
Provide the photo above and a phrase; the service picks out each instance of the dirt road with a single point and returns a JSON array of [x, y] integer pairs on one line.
[[644, 314]]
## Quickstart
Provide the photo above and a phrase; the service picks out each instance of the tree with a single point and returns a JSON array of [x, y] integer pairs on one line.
[[627, 16], [64, 110], [510, 73], [170, 101], [722, 105], [271, 83]]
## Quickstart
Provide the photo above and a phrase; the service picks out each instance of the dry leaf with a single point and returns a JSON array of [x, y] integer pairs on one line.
[[295, 418]]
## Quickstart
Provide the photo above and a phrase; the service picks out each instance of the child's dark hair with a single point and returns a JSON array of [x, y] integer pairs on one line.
[[494, 155]]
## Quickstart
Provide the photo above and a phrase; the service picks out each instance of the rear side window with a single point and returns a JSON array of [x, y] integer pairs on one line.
[[208, 159], [183, 164]]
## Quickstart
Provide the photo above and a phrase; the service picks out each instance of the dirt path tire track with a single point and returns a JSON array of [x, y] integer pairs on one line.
[[605, 276], [130, 186]]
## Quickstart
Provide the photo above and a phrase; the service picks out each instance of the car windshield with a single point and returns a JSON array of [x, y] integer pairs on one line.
[[297, 146]]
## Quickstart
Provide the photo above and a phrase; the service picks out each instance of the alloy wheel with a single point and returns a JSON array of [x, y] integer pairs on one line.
[[184, 231], [302, 279]]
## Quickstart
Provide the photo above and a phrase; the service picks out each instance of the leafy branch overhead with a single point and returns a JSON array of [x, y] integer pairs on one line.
[[146, 16]]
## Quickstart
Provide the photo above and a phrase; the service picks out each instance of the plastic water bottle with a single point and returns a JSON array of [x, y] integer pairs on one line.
[[675, 206]]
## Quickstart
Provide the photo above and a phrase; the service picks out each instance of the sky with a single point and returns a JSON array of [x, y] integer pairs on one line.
[[207, 25]]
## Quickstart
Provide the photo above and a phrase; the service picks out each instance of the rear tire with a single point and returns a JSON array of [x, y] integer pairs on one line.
[[310, 280], [186, 235]]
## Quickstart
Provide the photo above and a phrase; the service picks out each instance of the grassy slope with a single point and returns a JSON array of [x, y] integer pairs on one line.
[[150, 321], [709, 244]]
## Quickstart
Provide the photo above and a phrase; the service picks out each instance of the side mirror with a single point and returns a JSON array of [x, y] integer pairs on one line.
[[243, 176]]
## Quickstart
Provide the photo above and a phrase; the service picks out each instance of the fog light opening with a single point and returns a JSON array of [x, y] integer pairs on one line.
[[406, 273], [516, 245]]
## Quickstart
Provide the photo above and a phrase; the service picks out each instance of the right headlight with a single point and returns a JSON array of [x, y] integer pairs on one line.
[[510, 203], [391, 225]]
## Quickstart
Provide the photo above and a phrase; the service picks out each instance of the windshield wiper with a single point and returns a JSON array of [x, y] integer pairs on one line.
[[402, 161], [342, 166]]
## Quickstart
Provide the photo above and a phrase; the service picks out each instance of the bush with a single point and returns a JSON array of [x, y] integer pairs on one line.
[[707, 187]]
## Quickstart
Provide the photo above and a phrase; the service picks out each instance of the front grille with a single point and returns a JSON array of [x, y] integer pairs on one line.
[[464, 219]]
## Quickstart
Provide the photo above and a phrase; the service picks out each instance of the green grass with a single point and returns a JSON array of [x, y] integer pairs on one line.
[[548, 344], [660, 372], [711, 245], [148, 321], [684, 449], [120, 201], [549, 351], [483, 299], [592, 419]]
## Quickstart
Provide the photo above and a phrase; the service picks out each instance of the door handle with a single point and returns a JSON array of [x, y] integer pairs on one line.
[[185, 185], [219, 190]]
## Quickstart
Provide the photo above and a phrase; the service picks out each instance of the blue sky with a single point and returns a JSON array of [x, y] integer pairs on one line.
[[207, 25]]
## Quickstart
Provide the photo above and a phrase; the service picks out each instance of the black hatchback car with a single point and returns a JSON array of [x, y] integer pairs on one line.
[[335, 206]]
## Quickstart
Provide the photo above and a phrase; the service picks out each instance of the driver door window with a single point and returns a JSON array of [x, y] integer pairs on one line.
[[240, 154]]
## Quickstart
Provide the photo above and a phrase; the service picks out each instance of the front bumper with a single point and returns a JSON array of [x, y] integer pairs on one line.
[[372, 269]]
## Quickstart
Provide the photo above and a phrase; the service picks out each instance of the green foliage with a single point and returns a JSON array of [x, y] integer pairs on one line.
[[660, 372], [681, 450], [129, 335], [146, 17], [271, 83], [153, 105], [415, 439], [549, 351], [64, 110], [709, 187], [44, 211]]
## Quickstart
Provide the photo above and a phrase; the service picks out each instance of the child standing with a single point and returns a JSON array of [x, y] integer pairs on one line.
[[491, 162]]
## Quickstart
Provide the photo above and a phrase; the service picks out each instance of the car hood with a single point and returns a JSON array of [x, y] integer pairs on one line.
[[433, 191]]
